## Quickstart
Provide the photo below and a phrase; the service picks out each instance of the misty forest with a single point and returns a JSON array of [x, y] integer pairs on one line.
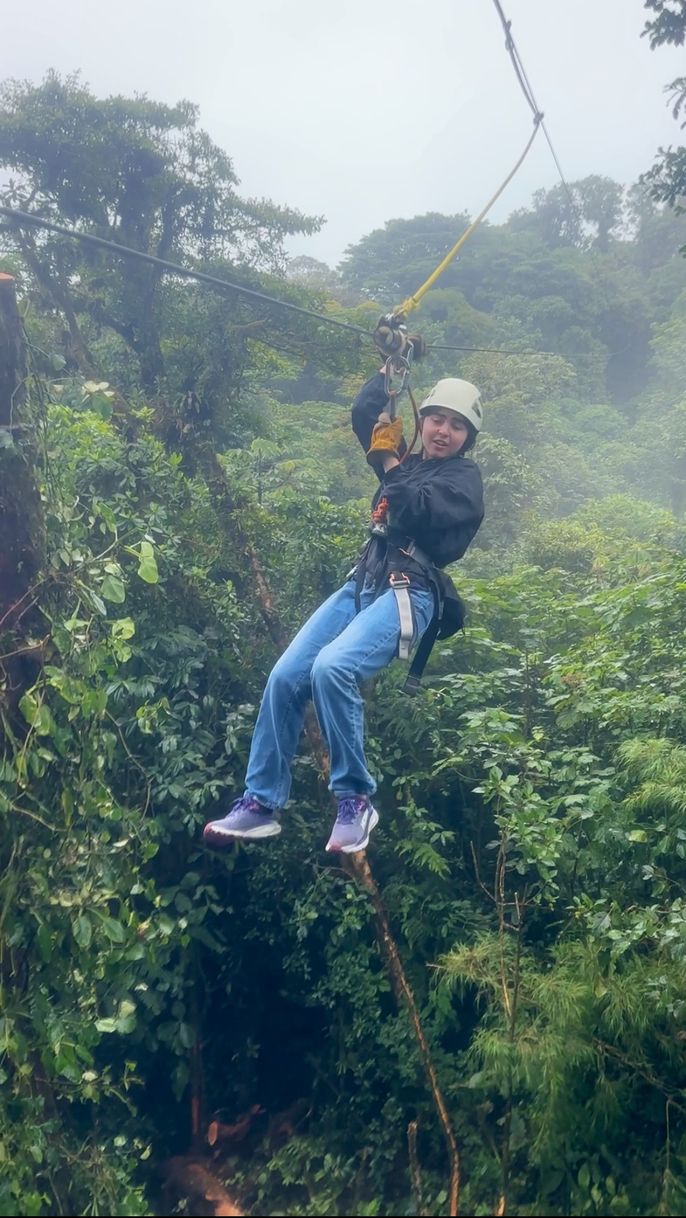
[[485, 1012]]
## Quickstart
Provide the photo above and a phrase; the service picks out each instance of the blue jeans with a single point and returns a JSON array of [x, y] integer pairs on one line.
[[335, 650]]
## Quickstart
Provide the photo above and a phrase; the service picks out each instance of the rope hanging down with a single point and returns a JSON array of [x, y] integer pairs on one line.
[[412, 301]]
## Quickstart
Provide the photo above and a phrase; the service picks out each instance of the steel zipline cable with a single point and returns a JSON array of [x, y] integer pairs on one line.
[[525, 85], [22, 218]]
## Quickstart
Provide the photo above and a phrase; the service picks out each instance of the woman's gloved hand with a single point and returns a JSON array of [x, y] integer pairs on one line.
[[386, 438], [391, 338], [418, 345]]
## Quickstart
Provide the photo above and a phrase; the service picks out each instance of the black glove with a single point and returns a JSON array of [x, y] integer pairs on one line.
[[390, 336], [418, 345]]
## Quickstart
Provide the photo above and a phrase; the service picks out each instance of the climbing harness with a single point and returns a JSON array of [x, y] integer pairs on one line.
[[385, 560], [399, 581], [391, 336]]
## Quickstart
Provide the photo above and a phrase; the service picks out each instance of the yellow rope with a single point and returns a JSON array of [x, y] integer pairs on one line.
[[412, 301]]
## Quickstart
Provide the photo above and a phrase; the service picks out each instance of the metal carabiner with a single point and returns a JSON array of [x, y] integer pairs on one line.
[[396, 373]]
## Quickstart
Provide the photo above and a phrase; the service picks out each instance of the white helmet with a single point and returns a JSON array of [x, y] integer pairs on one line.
[[459, 396]]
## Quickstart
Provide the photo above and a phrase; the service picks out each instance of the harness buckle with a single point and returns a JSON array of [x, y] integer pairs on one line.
[[398, 579]]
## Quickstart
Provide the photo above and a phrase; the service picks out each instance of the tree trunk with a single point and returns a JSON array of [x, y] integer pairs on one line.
[[22, 530], [56, 290], [21, 516], [358, 866]]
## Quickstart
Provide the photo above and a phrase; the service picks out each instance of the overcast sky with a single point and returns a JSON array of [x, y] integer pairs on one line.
[[362, 112]]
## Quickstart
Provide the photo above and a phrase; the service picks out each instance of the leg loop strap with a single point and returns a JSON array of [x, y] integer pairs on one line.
[[401, 588]]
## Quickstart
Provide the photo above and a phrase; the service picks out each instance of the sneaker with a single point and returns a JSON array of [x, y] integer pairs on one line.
[[247, 819], [356, 818]]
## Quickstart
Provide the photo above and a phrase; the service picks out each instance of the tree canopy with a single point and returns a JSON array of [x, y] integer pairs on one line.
[[188, 489]]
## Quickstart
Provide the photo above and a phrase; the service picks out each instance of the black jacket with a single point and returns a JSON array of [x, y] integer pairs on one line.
[[436, 503]]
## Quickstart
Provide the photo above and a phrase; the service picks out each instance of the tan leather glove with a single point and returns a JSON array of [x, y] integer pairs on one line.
[[386, 438]]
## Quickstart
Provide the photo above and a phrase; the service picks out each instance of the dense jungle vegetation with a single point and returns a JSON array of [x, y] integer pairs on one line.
[[187, 445]]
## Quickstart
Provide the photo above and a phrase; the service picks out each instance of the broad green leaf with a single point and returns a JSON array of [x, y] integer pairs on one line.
[[126, 1016], [113, 589], [114, 930], [29, 708], [147, 568], [37, 714], [98, 603], [106, 1025], [71, 690], [123, 628], [83, 930]]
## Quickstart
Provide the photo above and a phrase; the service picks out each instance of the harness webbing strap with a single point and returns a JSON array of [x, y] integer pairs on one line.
[[414, 676], [400, 584], [401, 589]]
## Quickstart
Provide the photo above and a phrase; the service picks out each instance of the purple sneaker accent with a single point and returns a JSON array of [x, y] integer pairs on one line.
[[356, 818], [247, 818]]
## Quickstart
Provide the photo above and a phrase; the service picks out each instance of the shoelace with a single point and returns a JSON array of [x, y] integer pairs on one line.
[[350, 809], [247, 803]]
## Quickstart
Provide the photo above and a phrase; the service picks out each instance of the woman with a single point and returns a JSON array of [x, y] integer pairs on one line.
[[425, 513]]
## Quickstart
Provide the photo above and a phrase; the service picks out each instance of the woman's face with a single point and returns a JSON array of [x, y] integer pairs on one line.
[[444, 433]]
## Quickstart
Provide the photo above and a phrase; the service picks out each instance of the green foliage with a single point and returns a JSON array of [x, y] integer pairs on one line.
[[144, 175], [531, 852], [117, 726], [538, 827], [669, 23], [667, 178]]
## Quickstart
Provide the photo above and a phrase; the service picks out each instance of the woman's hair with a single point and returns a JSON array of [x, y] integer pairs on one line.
[[472, 433]]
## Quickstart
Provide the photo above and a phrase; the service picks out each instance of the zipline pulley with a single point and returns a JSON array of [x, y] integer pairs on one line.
[[399, 349], [391, 339]]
